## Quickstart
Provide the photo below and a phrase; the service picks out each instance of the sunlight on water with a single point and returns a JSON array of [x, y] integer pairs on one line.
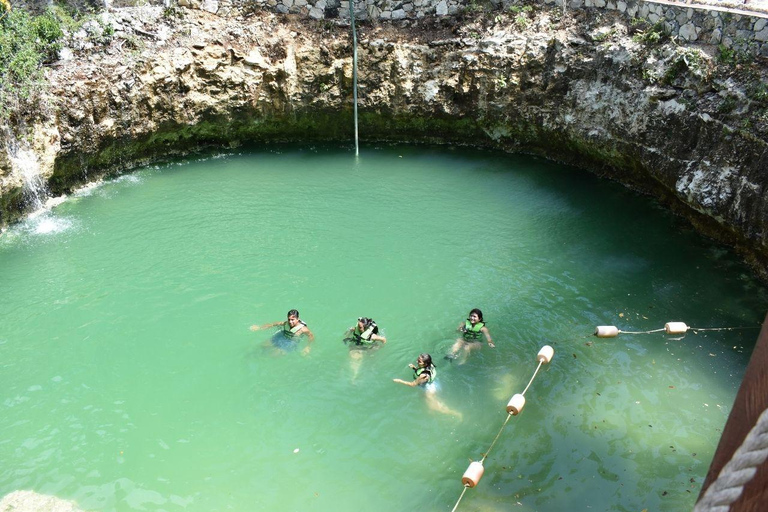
[[46, 224], [130, 380]]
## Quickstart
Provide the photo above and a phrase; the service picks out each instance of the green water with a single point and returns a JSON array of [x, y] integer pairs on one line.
[[129, 378]]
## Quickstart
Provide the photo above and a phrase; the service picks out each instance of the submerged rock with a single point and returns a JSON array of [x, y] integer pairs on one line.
[[28, 501]]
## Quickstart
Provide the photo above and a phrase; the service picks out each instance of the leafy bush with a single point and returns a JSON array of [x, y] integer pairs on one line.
[[649, 35], [26, 43], [740, 53]]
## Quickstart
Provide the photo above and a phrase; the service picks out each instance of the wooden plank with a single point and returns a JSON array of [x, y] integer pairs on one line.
[[751, 401]]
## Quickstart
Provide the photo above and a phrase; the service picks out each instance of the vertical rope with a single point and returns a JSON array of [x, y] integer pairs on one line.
[[354, 68]]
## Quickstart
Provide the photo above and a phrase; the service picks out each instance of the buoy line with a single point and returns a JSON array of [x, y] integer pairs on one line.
[[459, 501], [641, 332], [739, 471], [611, 331], [474, 472], [734, 475]]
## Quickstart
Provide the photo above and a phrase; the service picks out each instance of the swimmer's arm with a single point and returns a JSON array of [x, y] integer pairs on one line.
[[421, 379], [488, 336], [266, 326], [376, 337], [310, 339]]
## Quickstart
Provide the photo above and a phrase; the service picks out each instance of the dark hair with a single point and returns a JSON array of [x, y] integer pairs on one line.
[[427, 359], [295, 312], [367, 322], [479, 314]]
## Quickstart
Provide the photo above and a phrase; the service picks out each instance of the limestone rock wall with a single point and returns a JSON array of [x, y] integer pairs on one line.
[[665, 119]]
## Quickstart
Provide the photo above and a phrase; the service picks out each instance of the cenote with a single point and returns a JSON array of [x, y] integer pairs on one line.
[[131, 381]]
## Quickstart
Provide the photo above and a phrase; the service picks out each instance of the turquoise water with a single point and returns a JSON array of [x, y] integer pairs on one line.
[[129, 378]]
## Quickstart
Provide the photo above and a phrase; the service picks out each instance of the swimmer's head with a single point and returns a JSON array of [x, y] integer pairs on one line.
[[293, 317], [478, 316], [424, 360], [365, 323]]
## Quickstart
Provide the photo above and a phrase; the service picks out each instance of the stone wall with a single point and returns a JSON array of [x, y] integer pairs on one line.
[[717, 23], [705, 23]]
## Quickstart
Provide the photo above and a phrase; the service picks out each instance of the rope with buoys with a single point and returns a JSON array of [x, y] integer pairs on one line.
[[611, 331], [739, 471], [474, 472]]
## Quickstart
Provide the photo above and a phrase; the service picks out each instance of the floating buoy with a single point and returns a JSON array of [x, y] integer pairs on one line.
[[675, 328], [516, 404], [473, 474], [606, 331], [545, 354]]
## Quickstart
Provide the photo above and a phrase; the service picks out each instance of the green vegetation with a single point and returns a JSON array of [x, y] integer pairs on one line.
[[26, 44], [600, 37], [518, 9], [688, 60], [521, 13], [759, 92], [728, 105], [477, 6], [740, 53], [648, 34], [172, 12]]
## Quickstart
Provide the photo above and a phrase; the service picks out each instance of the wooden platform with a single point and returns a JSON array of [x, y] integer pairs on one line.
[[751, 401]]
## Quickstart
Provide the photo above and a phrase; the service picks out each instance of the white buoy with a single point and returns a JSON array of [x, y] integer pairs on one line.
[[606, 331], [545, 354], [473, 474], [675, 328], [516, 404]]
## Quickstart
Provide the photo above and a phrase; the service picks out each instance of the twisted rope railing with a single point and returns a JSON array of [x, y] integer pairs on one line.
[[739, 471]]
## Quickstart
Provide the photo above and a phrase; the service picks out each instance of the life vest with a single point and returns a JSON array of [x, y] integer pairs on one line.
[[430, 370], [289, 332], [472, 332], [364, 337]]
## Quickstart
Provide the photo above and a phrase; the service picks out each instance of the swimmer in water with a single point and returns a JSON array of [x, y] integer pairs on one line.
[[472, 329], [424, 374], [287, 339], [362, 337]]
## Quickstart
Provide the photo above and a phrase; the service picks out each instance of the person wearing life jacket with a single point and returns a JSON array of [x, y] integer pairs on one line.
[[362, 337], [472, 331], [287, 338], [364, 334], [424, 374]]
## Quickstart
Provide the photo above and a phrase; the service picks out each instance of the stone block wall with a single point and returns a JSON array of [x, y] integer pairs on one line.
[[704, 24]]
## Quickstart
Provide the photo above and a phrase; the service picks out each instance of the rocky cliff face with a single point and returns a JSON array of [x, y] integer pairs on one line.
[[680, 123]]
